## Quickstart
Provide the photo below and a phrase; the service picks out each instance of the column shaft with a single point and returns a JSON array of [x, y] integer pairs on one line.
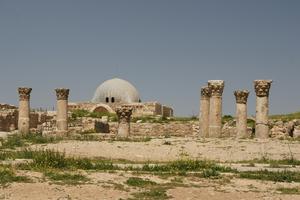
[[215, 114], [262, 112], [62, 115], [204, 112], [241, 120], [262, 89], [241, 113], [24, 110], [62, 95]]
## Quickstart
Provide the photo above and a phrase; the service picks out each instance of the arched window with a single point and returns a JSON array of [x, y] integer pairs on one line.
[[113, 99], [107, 99]]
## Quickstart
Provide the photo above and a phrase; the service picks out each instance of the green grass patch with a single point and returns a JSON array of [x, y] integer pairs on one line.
[[155, 193], [7, 175], [138, 139], [186, 166], [45, 159], [84, 113], [227, 118], [286, 117], [160, 119], [52, 159], [139, 182], [285, 190], [19, 140], [279, 176], [288, 161], [66, 178]]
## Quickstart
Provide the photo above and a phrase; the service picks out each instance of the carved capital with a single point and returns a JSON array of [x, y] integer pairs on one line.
[[205, 92], [262, 87], [62, 93], [241, 96], [124, 114], [24, 93], [216, 87]]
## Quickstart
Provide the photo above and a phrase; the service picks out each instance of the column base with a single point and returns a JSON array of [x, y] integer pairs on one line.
[[123, 131], [215, 132], [262, 131]]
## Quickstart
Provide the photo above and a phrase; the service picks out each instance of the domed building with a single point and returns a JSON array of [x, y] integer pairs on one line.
[[118, 92]]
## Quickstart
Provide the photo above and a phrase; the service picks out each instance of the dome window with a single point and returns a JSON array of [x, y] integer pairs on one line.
[[107, 99], [113, 99]]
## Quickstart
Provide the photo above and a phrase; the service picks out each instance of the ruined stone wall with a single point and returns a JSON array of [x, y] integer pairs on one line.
[[7, 107], [167, 111], [138, 109], [160, 129], [8, 120]]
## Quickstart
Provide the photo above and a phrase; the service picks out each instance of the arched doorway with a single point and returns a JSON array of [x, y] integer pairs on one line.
[[100, 109]]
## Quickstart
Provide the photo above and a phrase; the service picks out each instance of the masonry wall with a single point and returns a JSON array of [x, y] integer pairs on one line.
[[9, 120], [160, 129]]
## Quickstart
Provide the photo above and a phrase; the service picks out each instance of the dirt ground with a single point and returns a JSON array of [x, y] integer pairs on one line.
[[112, 185], [223, 150]]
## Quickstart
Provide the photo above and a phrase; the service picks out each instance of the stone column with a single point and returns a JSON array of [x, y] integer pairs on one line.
[[24, 110], [204, 111], [215, 111], [241, 97], [262, 88], [124, 117], [62, 95]]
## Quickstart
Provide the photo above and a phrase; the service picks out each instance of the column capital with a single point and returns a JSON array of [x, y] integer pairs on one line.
[[216, 87], [124, 114], [62, 93], [241, 96], [205, 92], [262, 87], [24, 93]]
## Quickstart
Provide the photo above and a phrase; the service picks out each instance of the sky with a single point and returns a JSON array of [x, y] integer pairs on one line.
[[168, 49]]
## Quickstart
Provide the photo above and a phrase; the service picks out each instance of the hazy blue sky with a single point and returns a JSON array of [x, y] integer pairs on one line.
[[167, 48]]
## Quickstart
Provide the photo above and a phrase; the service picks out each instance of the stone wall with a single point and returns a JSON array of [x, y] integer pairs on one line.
[[160, 129], [139, 109], [167, 111], [7, 107], [8, 120]]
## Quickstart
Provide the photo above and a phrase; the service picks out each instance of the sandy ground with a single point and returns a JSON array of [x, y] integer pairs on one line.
[[155, 150], [103, 185]]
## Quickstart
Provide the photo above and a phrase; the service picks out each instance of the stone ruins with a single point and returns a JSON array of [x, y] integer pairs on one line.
[[241, 97], [124, 117], [116, 92], [127, 106]]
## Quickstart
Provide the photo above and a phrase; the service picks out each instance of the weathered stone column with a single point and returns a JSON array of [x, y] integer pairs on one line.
[[62, 95], [204, 111], [124, 117], [262, 88], [215, 111], [241, 97], [24, 110]]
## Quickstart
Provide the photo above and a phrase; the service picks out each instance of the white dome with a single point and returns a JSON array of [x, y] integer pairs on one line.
[[116, 91]]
